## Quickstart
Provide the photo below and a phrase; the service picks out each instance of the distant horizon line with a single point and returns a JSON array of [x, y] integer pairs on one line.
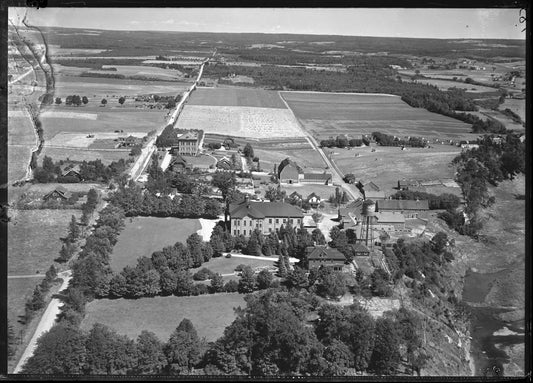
[[276, 33]]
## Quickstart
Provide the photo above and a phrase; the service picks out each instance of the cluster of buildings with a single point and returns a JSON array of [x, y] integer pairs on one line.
[[289, 172]]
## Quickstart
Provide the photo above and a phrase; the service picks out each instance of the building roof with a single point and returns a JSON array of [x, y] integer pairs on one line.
[[317, 176], [189, 135], [264, 209], [360, 248], [326, 253], [370, 186], [287, 161], [313, 194], [390, 217], [395, 204], [69, 167], [374, 194], [60, 190], [295, 194]]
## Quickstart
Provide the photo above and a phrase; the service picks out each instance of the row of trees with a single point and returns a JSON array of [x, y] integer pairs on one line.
[[37, 301], [73, 100], [271, 336], [136, 203], [443, 201], [388, 140], [343, 142]]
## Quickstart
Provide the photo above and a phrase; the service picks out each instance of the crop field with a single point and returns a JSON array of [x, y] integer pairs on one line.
[[144, 235], [326, 115], [507, 121], [102, 120], [162, 315], [240, 121], [107, 87], [33, 239], [80, 154], [387, 165], [237, 97], [147, 71]]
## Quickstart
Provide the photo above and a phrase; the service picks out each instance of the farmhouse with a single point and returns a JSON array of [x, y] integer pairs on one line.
[[71, 171], [313, 200], [190, 142], [265, 216], [58, 194], [289, 172], [178, 164], [323, 256], [296, 197], [390, 222], [128, 142], [224, 164], [409, 208]]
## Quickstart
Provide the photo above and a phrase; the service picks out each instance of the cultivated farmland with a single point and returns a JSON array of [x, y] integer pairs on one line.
[[307, 159], [34, 239], [237, 97], [240, 121], [144, 235], [80, 154], [325, 115], [162, 315]]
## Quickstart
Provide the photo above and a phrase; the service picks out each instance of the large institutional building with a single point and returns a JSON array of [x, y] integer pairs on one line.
[[190, 142], [265, 216]]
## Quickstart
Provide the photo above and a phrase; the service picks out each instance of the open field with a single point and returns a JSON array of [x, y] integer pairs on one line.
[[80, 154], [326, 115], [102, 120], [517, 106], [505, 120], [18, 158], [223, 265], [162, 315], [80, 140], [307, 159], [107, 87], [243, 121], [237, 97], [275, 143], [33, 239], [18, 290], [387, 165], [144, 235]]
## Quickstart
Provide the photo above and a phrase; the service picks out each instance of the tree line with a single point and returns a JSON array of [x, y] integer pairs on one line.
[[389, 140], [492, 162], [94, 170], [343, 142], [443, 201]]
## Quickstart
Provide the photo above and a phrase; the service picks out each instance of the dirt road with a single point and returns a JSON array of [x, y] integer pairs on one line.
[[47, 321]]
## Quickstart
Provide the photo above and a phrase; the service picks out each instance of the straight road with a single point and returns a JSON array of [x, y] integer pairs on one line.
[[337, 175], [144, 159], [47, 321]]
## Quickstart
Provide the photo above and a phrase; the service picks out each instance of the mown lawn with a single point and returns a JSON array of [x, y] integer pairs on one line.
[[144, 235], [210, 314]]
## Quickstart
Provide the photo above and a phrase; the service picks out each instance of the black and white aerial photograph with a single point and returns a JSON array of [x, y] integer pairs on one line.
[[266, 192]]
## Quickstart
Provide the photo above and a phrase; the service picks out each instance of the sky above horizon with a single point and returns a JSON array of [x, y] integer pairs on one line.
[[488, 23]]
